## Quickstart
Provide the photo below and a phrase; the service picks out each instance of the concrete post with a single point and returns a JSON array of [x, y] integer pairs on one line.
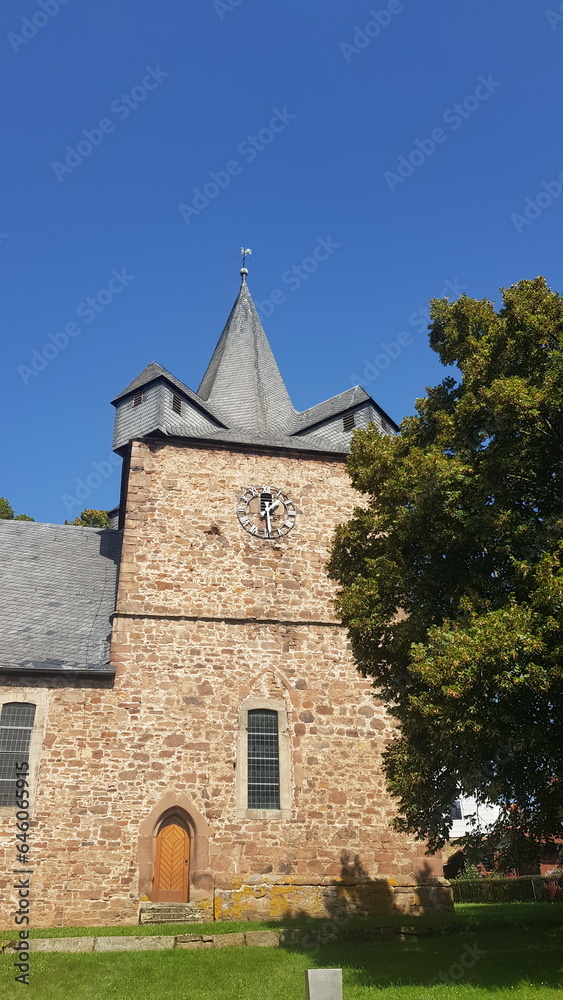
[[323, 984]]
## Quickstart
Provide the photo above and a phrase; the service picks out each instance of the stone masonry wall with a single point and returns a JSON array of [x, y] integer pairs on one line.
[[185, 552], [207, 616]]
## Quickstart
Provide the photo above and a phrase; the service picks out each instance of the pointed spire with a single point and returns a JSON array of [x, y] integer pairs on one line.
[[243, 384]]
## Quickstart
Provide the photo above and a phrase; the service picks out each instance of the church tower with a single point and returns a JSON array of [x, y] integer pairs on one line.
[[258, 784], [221, 757]]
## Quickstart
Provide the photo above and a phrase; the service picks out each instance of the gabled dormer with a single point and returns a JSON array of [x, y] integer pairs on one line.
[[157, 402]]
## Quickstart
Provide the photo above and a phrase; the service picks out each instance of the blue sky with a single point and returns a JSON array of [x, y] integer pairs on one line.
[[280, 126]]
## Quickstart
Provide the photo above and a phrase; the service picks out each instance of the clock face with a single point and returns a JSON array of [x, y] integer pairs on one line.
[[266, 512]]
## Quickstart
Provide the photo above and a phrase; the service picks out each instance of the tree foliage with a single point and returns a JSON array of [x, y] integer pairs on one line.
[[7, 513], [452, 574], [6, 510], [87, 519], [91, 519]]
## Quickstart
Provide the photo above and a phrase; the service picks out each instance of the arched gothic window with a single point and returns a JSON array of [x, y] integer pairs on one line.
[[263, 768]]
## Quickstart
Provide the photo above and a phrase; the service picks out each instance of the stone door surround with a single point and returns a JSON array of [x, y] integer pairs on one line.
[[181, 806]]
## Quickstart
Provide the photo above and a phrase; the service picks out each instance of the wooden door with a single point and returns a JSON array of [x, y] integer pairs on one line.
[[172, 863]]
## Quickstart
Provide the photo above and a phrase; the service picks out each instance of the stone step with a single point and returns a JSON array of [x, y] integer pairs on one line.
[[170, 913]]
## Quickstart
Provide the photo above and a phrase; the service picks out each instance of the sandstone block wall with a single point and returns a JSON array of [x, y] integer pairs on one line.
[[208, 616], [185, 552], [266, 898]]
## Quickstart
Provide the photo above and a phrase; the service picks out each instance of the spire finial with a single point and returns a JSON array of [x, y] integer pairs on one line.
[[244, 269]]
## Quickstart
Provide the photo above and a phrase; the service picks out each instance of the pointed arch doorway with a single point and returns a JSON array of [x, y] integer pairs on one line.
[[181, 810], [172, 862]]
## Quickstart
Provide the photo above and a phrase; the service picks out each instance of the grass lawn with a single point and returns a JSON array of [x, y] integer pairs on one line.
[[466, 916], [509, 951]]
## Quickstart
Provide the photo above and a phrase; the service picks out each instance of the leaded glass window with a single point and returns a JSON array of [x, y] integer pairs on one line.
[[16, 726], [263, 759]]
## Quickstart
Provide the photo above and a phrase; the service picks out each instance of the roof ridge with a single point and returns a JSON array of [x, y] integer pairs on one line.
[[151, 372]]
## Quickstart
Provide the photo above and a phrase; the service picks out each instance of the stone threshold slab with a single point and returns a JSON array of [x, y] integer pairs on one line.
[[150, 942], [251, 939]]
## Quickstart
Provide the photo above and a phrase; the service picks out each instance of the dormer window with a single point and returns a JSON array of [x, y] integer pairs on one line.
[[176, 403], [349, 421], [138, 397]]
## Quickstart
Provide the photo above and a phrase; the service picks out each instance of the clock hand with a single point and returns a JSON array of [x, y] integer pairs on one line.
[[268, 508], [268, 522]]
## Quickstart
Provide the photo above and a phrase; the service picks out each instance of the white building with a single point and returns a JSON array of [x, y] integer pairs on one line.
[[469, 815]]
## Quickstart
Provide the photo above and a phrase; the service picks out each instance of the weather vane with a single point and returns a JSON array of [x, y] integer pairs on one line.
[[245, 253]]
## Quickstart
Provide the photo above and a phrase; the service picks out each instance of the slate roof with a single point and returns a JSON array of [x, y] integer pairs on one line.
[[58, 585], [242, 398], [242, 384], [331, 407]]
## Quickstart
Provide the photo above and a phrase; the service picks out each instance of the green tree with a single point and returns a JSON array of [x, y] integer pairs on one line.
[[6, 510], [91, 519], [7, 513], [452, 574]]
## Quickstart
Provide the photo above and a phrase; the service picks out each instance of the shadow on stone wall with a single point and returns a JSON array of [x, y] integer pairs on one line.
[[338, 904], [355, 893], [351, 893]]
